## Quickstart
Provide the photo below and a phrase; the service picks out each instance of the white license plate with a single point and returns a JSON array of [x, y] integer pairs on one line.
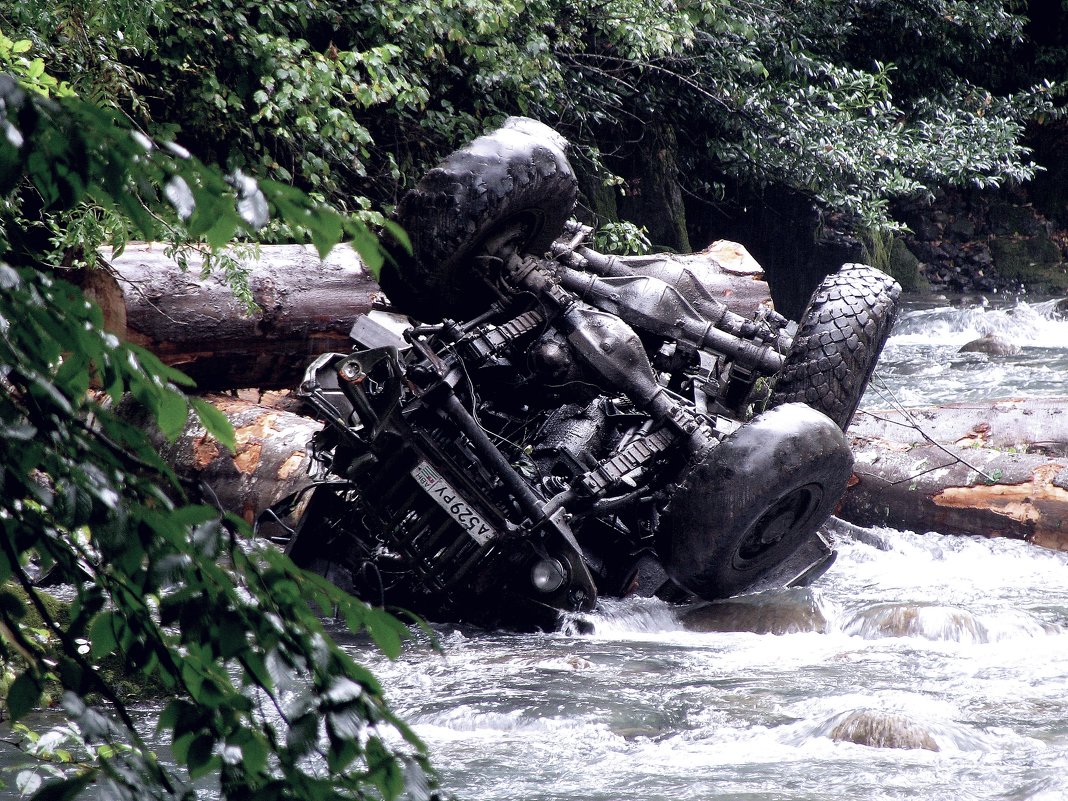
[[449, 500]]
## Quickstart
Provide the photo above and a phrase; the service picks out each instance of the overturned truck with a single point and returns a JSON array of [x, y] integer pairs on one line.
[[553, 424]]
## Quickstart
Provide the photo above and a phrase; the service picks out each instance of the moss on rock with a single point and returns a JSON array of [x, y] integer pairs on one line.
[[904, 267], [1034, 261], [112, 668]]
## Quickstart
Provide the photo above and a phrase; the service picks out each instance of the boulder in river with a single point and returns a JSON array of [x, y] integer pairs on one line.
[[771, 612], [879, 729], [991, 344]]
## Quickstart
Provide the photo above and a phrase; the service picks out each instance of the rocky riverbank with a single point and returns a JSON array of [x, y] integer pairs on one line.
[[980, 242]]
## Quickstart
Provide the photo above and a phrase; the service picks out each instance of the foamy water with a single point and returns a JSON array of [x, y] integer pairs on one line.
[[959, 649], [922, 364]]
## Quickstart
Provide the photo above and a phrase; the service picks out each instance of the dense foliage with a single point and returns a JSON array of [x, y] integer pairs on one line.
[[228, 629], [852, 103]]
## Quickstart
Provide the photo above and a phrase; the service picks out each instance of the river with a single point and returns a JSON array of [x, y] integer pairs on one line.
[[954, 647]]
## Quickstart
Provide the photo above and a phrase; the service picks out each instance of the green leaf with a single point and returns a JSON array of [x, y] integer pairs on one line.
[[193, 515], [172, 413], [341, 753], [71, 673], [254, 754], [324, 225], [399, 234], [386, 772], [65, 789], [151, 364], [231, 637], [215, 423], [303, 734], [103, 634], [184, 718], [256, 669], [223, 230], [73, 376], [180, 747], [24, 694], [367, 245], [386, 630], [200, 759]]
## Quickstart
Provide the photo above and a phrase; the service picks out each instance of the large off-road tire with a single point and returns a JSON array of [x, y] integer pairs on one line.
[[839, 339], [510, 189], [753, 500]]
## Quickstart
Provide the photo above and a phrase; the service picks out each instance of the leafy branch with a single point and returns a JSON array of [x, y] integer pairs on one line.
[[263, 698]]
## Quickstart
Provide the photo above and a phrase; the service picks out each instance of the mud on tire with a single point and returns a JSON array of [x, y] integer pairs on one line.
[[839, 339], [753, 500], [512, 188]]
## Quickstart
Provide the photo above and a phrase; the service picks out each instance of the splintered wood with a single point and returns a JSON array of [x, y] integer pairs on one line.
[[994, 469]]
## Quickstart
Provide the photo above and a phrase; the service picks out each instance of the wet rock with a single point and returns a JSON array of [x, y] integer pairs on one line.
[[979, 254], [878, 729], [905, 267], [1034, 261], [772, 612], [992, 344], [927, 229], [933, 623], [962, 227], [1011, 218], [647, 731], [987, 241]]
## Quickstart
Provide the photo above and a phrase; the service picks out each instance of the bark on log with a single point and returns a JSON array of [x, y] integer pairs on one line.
[[994, 469], [271, 461], [307, 307]]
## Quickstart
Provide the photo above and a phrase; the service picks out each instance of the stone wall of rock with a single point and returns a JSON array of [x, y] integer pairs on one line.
[[992, 241]]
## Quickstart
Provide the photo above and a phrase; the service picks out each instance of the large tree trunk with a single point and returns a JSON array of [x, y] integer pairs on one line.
[[994, 469], [306, 307], [270, 464]]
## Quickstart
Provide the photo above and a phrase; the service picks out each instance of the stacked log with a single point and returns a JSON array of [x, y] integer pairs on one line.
[[305, 306]]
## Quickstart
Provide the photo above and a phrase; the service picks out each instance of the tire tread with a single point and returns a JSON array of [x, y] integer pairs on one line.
[[838, 342]]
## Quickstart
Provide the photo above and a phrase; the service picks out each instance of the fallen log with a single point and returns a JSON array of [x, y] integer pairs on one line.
[[271, 461], [994, 469], [306, 307]]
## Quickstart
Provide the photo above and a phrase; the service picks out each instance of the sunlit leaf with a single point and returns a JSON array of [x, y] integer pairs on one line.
[[215, 422]]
